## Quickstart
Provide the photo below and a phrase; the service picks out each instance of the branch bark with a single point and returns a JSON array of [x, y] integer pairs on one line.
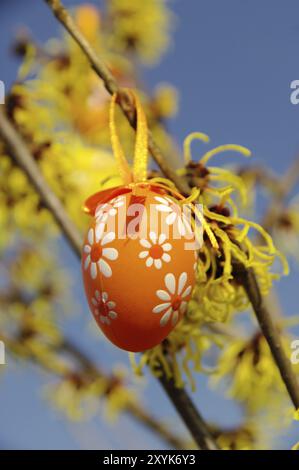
[[190, 415], [19, 152]]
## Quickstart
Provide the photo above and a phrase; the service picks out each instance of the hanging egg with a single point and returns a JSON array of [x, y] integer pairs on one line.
[[138, 265]]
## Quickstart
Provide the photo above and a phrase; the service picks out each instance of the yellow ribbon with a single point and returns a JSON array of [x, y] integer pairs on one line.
[[139, 174], [140, 153]]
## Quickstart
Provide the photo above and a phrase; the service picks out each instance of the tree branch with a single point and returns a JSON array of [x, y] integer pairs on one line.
[[111, 85], [19, 152], [190, 415]]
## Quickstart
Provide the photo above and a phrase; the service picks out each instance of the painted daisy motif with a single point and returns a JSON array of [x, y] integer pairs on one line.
[[97, 253], [156, 250], [173, 298], [103, 211], [103, 307], [175, 215]]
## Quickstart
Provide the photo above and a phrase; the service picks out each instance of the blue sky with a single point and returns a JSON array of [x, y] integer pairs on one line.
[[233, 63]]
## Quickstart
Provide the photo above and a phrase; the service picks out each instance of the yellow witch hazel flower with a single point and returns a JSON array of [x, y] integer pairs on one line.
[[88, 20], [296, 417], [243, 437], [81, 106], [71, 167], [78, 396], [142, 27], [286, 229], [247, 366], [165, 101], [218, 293]]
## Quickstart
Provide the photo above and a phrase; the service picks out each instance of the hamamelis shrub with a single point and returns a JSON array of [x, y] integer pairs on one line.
[[61, 108]]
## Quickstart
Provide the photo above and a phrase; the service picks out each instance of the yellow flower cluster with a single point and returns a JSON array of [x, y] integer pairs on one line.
[[240, 438], [79, 398], [254, 379], [140, 27], [218, 293], [66, 126], [286, 230], [296, 417]]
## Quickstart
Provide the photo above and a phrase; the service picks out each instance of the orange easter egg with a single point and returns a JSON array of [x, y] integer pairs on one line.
[[138, 265]]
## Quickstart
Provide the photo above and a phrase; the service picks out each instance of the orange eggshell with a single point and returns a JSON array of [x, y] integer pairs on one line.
[[138, 273]]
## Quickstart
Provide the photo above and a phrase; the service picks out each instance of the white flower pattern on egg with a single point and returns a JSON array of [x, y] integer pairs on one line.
[[97, 253], [103, 211], [103, 307], [175, 215], [155, 250], [173, 298]]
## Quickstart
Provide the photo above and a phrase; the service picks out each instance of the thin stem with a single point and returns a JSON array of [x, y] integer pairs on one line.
[[190, 415], [248, 279], [19, 152], [124, 99]]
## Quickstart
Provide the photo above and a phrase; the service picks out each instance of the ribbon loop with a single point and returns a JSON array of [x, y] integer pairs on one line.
[[123, 166], [140, 153]]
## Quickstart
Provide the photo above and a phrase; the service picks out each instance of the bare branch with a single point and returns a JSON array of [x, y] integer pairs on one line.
[[190, 415]]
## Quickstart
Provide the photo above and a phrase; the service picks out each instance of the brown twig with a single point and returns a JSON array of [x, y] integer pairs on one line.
[[111, 85], [190, 415], [19, 152]]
